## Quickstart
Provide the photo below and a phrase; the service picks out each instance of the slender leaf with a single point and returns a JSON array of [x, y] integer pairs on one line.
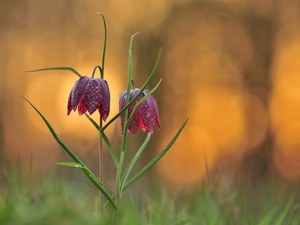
[[156, 159], [104, 45], [88, 173], [92, 121], [110, 149], [124, 139], [56, 68], [284, 213], [267, 218], [134, 160], [70, 164]]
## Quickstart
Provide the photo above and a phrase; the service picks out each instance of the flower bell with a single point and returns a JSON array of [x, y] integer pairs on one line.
[[89, 94], [146, 115]]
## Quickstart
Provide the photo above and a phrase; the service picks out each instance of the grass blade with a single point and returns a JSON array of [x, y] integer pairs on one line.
[[284, 213], [104, 45], [156, 159], [134, 160], [92, 121], [110, 149], [88, 173], [56, 68], [267, 218], [70, 164], [124, 139]]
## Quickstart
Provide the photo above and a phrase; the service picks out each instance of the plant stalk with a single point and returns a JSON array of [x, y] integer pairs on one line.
[[100, 162]]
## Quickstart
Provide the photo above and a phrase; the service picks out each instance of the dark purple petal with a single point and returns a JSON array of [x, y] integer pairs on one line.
[[70, 102], [104, 107], [146, 114], [92, 97], [77, 91], [122, 102], [152, 102], [90, 94], [134, 125]]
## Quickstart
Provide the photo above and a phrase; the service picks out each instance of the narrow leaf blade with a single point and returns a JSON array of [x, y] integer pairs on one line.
[[88, 173], [134, 160], [156, 159], [284, 213], [70, 164], [56, 68]]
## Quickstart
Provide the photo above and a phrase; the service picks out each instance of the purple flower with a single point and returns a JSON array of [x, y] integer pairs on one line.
[[146, 114], [89, 94]]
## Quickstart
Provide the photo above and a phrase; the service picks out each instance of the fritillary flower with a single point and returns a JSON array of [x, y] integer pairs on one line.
[[89, 94], [146, 115]]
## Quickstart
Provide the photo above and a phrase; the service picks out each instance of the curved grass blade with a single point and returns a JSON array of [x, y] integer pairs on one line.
[[156, 159], [137, 95], [88, 173], [56, 68], [70, 164], [124, 139], [134, 160], [110, 149], [284, 213], [266, 220], [104, 47], [92, 121], [129, 78]]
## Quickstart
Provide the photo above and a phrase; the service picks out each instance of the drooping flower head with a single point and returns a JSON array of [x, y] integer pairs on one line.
[[89, 94], [146, 115]]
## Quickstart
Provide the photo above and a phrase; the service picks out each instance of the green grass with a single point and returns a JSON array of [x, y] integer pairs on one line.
[[34, 201]]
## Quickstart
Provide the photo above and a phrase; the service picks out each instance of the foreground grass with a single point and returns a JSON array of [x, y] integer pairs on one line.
[[217, 203]]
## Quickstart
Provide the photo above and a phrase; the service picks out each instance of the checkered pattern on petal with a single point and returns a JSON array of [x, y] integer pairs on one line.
[[146, 115], [90, 94]]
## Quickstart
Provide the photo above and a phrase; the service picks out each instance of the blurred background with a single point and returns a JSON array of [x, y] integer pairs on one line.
[[231, 66]]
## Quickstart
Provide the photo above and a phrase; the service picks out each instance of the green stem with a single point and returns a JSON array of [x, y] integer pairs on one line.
[[124, 139], [101, 162], [100, 123]]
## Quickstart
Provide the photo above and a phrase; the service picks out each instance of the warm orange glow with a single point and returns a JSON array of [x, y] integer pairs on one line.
[[216, 65], [217, 128], [285, 108], [139, 12], [192, 157]]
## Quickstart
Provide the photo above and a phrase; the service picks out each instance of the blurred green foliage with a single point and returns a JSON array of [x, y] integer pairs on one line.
[[65, 201]]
